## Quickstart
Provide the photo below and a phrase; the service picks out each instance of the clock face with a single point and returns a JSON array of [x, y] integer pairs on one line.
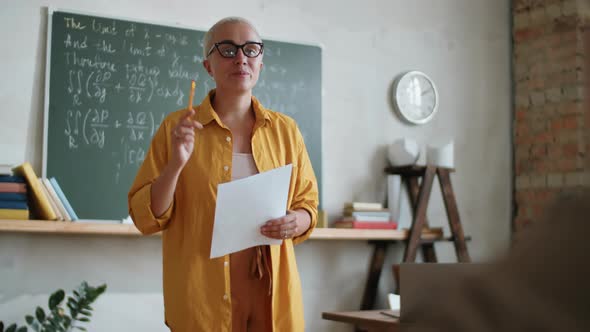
[[415, 97]]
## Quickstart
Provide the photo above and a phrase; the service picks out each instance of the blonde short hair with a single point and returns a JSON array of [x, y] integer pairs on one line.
[[208, 38]]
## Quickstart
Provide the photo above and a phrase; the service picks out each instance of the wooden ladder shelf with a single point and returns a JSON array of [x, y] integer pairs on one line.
[[419, 193]]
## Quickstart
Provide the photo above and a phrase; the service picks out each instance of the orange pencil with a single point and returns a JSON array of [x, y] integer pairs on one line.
[[191, 96]]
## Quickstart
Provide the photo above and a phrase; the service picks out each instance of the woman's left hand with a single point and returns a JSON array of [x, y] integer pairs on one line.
[[281, 228]]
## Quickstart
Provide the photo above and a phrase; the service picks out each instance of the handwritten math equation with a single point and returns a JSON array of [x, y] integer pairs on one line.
[[120, 79]]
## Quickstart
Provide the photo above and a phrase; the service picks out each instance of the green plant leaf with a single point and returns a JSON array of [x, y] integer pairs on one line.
[[56, 298], [96, 292], [86, 312], [73, 309], [40, 314], [68, 321], [56, 319], [49, 328], [52, 321], [35, 326]]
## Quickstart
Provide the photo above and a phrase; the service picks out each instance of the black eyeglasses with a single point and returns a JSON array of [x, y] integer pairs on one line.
[[228, 49]]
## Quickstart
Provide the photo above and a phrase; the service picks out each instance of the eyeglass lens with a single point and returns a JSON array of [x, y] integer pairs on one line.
[[230, 50]]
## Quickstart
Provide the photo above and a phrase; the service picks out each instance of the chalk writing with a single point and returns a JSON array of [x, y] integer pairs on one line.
[[112, 83]]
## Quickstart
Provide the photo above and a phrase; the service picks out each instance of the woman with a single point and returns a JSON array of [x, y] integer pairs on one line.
[[228, 136]]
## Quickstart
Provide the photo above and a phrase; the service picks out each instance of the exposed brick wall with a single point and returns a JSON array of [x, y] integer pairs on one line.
[[551, 53]]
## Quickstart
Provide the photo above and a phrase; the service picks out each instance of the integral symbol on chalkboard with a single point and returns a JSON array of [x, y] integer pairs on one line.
[[112, 82]]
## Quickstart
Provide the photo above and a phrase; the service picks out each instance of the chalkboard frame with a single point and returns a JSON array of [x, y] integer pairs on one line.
[[51, 10]]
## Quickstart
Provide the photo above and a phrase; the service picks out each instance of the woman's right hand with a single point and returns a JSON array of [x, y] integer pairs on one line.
[[183, 139]]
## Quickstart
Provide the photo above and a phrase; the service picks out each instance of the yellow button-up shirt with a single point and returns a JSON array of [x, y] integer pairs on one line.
[[197, 294]]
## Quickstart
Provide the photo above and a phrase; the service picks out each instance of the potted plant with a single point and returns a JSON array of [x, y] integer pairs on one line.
[[57, 320]]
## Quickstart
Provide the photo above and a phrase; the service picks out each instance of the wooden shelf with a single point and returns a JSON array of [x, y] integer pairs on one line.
[[97, 228], [62, 227], [412, 170]]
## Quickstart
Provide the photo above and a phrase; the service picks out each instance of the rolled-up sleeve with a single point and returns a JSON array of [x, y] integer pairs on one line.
[[306, 189], [139, 197]]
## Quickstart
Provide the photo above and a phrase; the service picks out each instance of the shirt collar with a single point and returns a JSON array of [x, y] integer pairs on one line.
[[206, 113]]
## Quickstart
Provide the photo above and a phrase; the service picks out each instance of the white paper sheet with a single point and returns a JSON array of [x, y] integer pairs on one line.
[[394, 301], [244, 205]]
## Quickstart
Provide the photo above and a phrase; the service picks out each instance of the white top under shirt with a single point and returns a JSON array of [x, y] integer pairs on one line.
[[242, 166]]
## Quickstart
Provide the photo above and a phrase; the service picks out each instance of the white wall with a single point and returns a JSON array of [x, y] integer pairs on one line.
[[464, 45]]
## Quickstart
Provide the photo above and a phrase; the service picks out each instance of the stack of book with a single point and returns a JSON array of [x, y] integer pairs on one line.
[[58, 201], [13, 198], [47, 200], [365, 215]]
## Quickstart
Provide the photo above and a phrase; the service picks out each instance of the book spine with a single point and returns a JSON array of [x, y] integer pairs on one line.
[[16, 197], [14, 214], [365, 225], [57, 201], [40, 199], [374, 225], [13, 205], [12, 187], [12, 179], [371, 214], [63, 199], [363, 206], [51, 201], [367, 218]]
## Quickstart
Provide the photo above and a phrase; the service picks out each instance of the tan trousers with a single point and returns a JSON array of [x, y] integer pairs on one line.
[[250, 290]]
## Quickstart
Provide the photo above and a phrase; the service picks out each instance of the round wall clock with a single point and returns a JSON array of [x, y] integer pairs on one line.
[[415, 97]]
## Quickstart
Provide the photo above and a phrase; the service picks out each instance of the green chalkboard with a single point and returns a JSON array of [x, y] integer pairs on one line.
[[112, 81]]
